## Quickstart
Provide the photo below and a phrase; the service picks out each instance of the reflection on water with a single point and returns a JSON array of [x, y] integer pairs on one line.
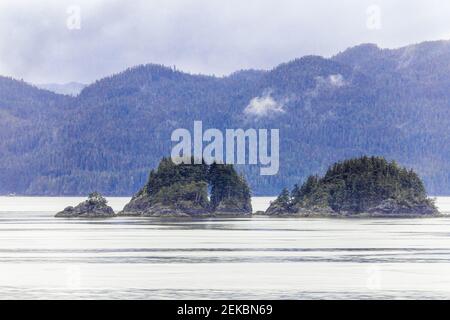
[[248, 258]]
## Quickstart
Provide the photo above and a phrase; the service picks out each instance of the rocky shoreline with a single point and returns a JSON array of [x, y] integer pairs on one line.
[[97, 209], [89, 210], [141, 206], [387, 209], [362, 215]]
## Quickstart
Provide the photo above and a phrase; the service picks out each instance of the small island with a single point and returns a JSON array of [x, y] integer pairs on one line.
[[96, 206], [181, 190], [365, 186]]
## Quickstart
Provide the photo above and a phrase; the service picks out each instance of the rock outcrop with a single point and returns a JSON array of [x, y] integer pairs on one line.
[[299, 211], [95, 207], [233, 207], [391, 207]]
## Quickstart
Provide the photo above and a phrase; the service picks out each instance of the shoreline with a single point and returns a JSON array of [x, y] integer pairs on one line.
[[54, 204], [282, 216]]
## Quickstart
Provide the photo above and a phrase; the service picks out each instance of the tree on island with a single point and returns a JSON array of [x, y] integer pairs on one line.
[[96, 198], [227, 185], [283, 203]]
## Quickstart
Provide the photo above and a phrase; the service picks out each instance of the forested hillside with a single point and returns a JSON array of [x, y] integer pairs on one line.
[[391, 103]]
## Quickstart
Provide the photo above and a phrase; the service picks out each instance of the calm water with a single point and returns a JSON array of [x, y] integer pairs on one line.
[[256, 258]]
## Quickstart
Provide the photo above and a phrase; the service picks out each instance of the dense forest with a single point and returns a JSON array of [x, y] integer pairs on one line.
[[365, 100]]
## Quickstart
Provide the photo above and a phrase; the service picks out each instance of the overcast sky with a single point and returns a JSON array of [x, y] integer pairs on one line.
[[46, 41]]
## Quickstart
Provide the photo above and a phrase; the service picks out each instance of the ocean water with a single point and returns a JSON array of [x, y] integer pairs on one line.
[[42, 257]]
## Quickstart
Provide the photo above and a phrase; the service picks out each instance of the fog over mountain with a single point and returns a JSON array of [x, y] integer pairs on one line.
[[364, 100]]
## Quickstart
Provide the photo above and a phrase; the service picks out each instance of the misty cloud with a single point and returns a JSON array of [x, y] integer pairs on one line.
[[263, 106], [198, 36], [323, 84], [336, 80]]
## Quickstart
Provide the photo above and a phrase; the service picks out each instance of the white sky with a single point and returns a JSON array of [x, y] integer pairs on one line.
[[199, 36]]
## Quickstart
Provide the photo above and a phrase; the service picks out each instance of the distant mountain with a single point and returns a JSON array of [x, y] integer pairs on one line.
[[423, 65], [365, 100], [71, 88]]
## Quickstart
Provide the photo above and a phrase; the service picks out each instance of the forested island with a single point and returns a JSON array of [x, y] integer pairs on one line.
[[365, 186], [182, 190]]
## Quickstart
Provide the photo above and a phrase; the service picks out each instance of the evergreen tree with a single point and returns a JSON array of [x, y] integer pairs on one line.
[[96, 198], [227, 184], [284, 200]]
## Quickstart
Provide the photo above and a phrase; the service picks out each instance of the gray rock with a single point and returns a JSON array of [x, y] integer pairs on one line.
[[233, 207], [275, 209], [186, 209], [390, 207], [137, 206], [95, 207], [314, 211], [259, 213], [143, 206]]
